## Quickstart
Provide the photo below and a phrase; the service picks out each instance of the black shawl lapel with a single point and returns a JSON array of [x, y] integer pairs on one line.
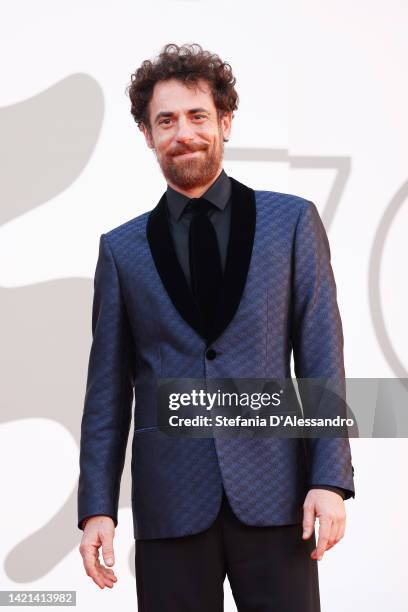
[[239, 251]]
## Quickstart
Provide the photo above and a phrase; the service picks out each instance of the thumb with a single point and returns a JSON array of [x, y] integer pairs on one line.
[[308, 522], [107, 549]]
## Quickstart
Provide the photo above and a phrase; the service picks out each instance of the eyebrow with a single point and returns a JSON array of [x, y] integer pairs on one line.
[[191, 111]]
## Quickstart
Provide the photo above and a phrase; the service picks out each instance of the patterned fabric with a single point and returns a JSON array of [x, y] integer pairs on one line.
[[288, 303]]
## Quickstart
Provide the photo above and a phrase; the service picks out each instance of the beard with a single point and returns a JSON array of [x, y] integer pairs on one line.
[[195, 171]]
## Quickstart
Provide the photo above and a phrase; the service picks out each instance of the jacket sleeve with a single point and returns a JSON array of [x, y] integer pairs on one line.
[[109, 395], [317, 342]]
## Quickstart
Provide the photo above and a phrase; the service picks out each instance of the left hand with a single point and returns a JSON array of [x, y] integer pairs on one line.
[[329, 507]]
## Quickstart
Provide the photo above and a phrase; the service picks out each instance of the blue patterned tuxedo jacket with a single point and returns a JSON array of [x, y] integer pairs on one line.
[[279, 296]]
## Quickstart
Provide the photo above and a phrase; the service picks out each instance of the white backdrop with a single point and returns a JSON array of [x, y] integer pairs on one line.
[[323, 99]]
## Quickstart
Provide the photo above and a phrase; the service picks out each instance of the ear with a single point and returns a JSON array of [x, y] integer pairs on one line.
[[226, 125], [147, 135]]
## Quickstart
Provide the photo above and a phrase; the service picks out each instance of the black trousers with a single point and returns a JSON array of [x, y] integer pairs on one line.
[[269, 569]]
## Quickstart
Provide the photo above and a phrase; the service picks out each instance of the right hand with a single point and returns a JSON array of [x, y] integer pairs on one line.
[[99, 531]]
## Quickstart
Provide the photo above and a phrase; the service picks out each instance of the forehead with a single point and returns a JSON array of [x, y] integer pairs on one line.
[[174, 96]]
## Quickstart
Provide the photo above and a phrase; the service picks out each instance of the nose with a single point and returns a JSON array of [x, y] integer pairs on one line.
[[184, 132]]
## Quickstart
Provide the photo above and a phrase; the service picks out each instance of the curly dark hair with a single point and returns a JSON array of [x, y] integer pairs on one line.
[[188, 64]]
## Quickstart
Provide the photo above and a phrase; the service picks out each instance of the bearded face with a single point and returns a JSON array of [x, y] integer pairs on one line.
[[193, 164], [186, 133]]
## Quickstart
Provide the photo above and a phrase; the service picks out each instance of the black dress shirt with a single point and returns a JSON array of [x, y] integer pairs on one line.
[[179, 216]]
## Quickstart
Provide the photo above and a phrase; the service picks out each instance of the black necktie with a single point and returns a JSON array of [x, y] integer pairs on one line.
[[205, 261]]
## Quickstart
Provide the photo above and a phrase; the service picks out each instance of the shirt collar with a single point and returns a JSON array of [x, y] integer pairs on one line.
[[218, 193]]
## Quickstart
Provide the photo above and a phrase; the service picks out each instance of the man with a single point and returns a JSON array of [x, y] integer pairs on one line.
[[217, 281]]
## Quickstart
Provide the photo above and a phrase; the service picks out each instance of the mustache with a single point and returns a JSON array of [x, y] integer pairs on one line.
[[181, 150]]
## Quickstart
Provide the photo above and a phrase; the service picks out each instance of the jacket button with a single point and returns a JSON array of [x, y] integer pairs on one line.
[[210, 353]]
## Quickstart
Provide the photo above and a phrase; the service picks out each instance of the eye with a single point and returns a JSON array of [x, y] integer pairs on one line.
[[199, 116], [163, 120]]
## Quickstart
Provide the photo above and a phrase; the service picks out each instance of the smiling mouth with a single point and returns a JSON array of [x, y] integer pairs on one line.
[[187, 154]]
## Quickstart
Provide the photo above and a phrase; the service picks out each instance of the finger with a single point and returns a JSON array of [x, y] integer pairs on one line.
[[324, 534], [89, 556], [333, 535], [111, 579], [342, 529], [107, 548], [308, 521], [339, 533], [99, 576], [91, 566], [107, 574]]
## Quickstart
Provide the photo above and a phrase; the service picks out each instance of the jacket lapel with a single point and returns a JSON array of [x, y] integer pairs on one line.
[[239, 251]]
